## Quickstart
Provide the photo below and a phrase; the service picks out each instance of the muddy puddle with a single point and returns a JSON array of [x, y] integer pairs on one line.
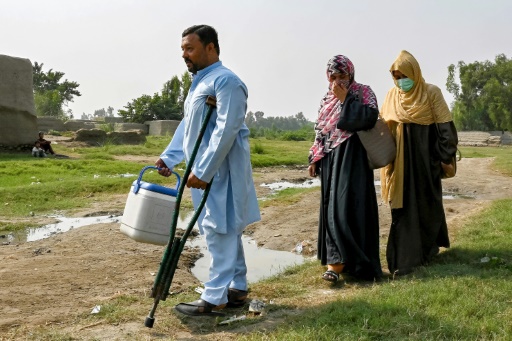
[[261, 262], [64, 224]]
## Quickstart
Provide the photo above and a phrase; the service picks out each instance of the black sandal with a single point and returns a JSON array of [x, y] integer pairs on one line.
[[236, 298], [198, 308], [331, 276]]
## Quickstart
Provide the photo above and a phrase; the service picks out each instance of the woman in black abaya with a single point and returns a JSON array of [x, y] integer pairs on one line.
[[426, 140], [348, 233]]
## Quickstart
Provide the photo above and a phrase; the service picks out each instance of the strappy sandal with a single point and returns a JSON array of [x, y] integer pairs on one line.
[[331, 276], [236, 298], [199, 308]]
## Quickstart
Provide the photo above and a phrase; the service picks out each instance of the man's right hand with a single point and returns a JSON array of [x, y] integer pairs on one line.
[[164, 170]]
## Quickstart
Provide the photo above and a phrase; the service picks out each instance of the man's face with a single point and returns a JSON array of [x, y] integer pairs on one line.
[[194, 53]]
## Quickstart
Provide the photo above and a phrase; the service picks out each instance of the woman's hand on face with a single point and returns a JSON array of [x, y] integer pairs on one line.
[[340, 91], [312, 170]]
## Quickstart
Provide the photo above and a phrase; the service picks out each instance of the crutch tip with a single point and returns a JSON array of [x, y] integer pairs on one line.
[[149, 322]]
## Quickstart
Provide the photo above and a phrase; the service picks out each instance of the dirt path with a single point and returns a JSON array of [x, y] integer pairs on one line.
[[49, 282]]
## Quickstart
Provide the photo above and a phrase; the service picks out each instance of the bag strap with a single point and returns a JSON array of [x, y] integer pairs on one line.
[[360, 94], [433, 112], [360, 98]]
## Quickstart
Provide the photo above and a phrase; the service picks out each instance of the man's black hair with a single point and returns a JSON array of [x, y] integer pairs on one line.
[[206, 34]]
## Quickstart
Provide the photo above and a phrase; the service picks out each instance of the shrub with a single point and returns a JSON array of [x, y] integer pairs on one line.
[[258, 148]]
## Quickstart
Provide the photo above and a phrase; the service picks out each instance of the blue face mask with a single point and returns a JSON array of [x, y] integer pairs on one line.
[[405, 84]]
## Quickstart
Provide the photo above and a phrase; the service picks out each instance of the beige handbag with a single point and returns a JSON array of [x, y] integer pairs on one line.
[[379, 143]]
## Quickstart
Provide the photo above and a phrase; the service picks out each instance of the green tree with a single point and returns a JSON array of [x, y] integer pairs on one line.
[[186, 82], [48, 103], [289, 128], [167, 105], [483, 94], [249, 119], [139, 110], [51, 93], [100, 113]]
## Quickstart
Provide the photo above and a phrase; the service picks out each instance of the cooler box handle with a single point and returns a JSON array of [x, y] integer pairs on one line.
[[136, 186]]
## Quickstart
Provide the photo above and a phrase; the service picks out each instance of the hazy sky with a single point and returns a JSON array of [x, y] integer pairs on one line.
[[119, 50]]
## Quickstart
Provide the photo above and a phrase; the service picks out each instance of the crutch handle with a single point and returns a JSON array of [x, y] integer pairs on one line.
[[211, 101]]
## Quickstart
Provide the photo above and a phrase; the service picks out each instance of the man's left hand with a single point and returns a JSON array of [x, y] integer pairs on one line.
[[194, 182]]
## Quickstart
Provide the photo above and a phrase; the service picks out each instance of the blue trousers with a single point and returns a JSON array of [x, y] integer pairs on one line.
[[227, 266]]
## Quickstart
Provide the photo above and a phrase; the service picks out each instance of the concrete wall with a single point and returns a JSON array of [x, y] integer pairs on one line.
[[47, 123], [131, 126], [157, 128], [98, 137], [109, 119], [75, 125], [484, 138], [18, 122], [162, 128], [505, 137], [127, 137]]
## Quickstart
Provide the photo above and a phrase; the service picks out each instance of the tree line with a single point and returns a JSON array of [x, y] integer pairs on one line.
[[482, 93], [295, 127]]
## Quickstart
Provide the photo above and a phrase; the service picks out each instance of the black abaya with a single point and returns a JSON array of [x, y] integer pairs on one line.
[[419, 228], [349, 218]]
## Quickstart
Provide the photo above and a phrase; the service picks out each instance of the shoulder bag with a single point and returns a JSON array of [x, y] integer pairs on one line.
[[379, 143]]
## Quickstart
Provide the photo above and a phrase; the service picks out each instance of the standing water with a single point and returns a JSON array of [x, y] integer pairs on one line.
[[261, 262]]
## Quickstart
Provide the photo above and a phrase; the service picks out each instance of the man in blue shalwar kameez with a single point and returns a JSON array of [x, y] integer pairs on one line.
[[224, 157]]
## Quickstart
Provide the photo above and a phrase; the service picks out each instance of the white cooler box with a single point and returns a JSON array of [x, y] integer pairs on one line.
[[149, 209]]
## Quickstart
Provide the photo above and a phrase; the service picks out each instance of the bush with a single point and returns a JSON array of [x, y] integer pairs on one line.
[[258, 148], [299, 135], [107, 127]]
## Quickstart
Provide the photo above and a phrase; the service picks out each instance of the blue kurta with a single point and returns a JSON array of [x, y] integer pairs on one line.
[[224, 154]]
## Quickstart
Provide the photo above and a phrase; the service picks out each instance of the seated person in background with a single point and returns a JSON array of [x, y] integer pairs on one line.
[[45, 145], [37, 151]]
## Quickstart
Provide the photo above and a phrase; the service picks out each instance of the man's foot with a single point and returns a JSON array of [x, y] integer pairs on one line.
[[236, 298], [199, 308]]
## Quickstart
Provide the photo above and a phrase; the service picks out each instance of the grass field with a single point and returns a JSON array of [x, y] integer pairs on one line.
[[466, 294]]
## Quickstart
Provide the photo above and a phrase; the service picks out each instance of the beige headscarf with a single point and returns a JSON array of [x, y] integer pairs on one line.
[[423, 104]]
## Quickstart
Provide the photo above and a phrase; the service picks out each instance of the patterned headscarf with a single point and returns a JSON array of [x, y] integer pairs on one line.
[[340, 64], [328, 136]]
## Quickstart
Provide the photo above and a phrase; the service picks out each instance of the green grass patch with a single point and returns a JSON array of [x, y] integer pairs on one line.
[[463, 295], [460, 296], [44, 185], [15, 226], [502, 155], [275, 152], [287, 196]]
